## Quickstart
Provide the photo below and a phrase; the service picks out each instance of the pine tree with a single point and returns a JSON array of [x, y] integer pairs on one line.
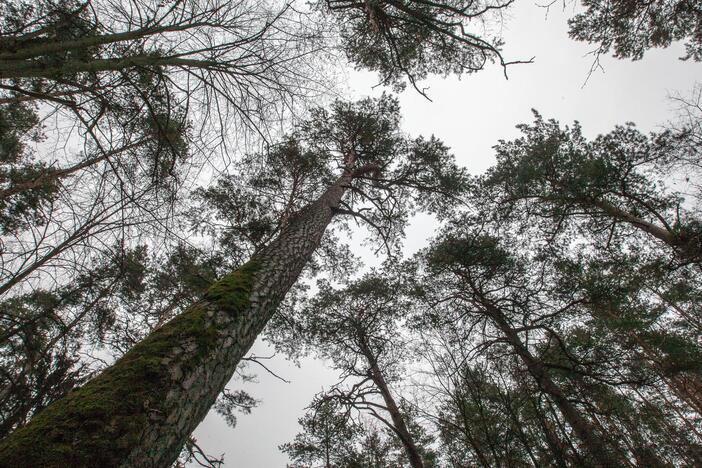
[[141, 410]]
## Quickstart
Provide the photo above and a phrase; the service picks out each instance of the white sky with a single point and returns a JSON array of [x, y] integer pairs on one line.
[[471, 115]]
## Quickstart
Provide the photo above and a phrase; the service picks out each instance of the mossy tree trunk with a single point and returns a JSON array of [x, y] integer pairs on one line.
[[140, 411]]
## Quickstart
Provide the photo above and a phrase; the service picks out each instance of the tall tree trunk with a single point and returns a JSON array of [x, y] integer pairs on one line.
[[597, 451], [34, 69], [40, 47], [140, 411], [398, 421]]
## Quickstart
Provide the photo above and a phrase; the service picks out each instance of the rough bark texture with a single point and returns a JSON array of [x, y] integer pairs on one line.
[[139, 411]]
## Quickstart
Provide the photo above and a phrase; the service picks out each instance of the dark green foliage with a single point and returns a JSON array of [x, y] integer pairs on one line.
[[588, 322], [332, 437], [554, 180], [246, 210], [404, 40], [230, 402], [341, 325], [396, 175], [56, 20], [358, 329], [618, 292], [393, 176], [497, 423], [462, 254], [630, 27], [571, 286], [19, 126], [560, 168]]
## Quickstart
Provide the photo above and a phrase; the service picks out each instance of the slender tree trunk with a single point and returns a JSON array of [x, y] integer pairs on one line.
[[488, 437], [552, 440], [398, 421], [596, 450], [140, 411], [656, 231], [466, 427], [42, 47], [684, 450]]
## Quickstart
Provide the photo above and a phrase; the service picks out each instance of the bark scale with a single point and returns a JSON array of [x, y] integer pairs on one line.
[[140, 411]]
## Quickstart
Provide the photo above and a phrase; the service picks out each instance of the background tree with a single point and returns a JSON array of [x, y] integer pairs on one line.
[[411, 40], [341, 440], [611, 193], [574, 249], [488, 419], [630, 28], [327, 439], [487, 281], [576, 366], [358, 330], [612, 183]]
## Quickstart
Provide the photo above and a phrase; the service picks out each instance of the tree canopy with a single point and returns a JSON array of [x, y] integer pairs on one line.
[[181, 179]]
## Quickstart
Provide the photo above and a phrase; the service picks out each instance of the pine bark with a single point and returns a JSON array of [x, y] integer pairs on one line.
[[140, 411]]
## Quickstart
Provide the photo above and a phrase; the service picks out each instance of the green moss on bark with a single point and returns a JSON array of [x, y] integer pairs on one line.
[[99, 423], [231, 293]]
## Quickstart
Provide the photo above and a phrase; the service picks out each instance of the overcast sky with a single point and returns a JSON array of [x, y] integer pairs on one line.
[[470, 115]]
